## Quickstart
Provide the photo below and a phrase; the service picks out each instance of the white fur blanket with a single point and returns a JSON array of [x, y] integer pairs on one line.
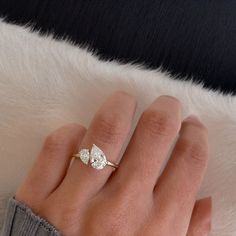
[[46, 83]]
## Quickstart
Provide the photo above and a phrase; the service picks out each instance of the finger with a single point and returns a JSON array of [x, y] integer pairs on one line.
[[108, 131], [149, 145], [200, 224], [51, 165], [176, 189]]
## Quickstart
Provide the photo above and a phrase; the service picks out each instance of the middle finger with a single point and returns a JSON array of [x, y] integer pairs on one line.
[[149, 145]]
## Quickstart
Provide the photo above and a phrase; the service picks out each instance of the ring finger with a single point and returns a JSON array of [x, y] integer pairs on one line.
[[108, 130]]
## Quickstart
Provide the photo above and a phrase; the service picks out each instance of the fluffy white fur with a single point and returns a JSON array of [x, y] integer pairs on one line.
[[45, 83]]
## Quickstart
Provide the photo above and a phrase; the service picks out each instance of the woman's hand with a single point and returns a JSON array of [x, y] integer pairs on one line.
[[136, 199]]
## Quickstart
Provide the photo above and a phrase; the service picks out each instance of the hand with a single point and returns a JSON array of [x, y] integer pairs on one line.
[[136, 199]]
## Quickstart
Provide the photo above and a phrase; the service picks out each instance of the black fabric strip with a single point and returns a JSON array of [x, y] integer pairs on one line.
[[186, 37]]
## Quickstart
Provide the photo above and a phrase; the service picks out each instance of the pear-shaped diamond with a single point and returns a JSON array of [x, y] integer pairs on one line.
[[84, 156], [97, 158]]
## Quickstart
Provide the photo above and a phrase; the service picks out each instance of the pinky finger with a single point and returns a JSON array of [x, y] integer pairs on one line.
[[200, 224]]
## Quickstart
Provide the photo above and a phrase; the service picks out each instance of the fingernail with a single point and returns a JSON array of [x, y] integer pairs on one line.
[[206, 211], [208, 207], [207, 199]]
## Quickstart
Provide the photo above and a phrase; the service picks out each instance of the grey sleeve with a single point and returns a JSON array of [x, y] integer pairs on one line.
[[21, 221]]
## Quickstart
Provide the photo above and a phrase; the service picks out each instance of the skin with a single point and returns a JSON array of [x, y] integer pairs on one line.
[[137, 198]]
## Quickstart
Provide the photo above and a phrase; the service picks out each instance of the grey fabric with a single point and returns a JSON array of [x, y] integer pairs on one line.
[[21, 221]]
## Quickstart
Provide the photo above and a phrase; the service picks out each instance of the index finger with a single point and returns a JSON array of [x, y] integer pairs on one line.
[[176, 189]]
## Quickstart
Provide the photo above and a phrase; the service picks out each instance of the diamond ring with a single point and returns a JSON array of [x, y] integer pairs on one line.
[[96, 158]]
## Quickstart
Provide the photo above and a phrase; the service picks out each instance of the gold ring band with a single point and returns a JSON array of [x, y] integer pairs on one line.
[[112, 164]]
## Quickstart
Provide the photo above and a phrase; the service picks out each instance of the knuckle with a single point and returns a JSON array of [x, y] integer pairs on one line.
[[159, 123], [203, 128], [195, 151], [109, 127], [54, 142], [198, 154], [199, 126]]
